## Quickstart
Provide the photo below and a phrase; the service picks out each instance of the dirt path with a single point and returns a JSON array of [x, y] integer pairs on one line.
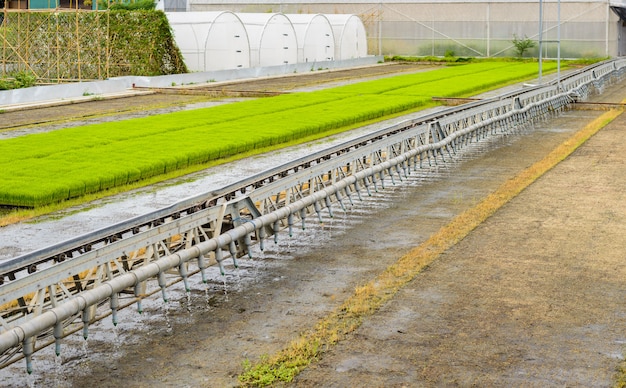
[[533, 297]]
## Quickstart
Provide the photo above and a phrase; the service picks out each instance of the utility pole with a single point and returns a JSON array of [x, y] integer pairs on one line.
[[540, 37], [558, 45], [380, 28]]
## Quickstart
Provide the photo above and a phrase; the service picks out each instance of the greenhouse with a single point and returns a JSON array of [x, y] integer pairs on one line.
[[350, 36], [211, 40], [479, 28], [272, 39], [223, 40], [316, 42]]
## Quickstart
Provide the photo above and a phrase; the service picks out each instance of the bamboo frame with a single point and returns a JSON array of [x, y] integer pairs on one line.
[[66, 45], [57, 46]]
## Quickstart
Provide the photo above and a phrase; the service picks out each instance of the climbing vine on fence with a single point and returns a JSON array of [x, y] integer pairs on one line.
[[144, 41], [84, 45]]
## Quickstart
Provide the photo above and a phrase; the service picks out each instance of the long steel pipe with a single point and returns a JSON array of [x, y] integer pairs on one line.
[[80, 302], [526, 106]]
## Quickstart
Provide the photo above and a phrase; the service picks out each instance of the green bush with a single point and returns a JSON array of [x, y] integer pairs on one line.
[[522, 44], [127, 5], [17, 80]]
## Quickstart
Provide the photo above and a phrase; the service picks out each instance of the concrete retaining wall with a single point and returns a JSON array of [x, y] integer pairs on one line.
[[96, 89]]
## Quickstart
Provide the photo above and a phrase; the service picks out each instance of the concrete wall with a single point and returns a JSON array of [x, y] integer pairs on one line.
[[53, 94]]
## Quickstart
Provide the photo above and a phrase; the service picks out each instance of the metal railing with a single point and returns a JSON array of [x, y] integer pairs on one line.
[[49, 293]]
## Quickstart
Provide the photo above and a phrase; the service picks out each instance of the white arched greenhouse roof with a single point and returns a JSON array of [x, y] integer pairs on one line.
[[316, 40], [350, 37], [211, 41], [272, 39]]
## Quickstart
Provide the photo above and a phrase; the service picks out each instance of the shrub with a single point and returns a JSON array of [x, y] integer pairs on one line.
[[522, 44], [104, 44], [17, 80], [127, 5]]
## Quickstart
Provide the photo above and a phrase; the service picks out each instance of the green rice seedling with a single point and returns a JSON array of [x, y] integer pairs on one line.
[[54, 166]]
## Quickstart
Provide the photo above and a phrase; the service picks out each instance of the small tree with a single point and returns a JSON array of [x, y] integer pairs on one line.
[[126, 5], [522, 44]]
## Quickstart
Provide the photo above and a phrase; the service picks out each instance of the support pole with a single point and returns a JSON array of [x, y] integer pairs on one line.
[[540, 39], [558, 47]]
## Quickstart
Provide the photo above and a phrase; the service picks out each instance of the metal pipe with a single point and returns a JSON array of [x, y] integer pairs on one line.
[[17, 335]]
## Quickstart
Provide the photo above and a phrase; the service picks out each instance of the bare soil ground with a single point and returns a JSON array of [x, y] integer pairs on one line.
[[176, 98], [533, 297]]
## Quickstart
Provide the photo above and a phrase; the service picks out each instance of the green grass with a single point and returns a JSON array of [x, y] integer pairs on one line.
[[41, 169]]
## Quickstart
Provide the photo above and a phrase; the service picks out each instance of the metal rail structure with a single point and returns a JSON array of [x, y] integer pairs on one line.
[[53, 292]]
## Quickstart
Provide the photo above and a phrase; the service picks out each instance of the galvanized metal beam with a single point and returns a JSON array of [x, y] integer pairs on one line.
[[45, 295]]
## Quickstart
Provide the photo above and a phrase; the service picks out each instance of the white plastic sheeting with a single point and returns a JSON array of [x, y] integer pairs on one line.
[[350, 36], [316, 40], [211, 41], [272, 39]]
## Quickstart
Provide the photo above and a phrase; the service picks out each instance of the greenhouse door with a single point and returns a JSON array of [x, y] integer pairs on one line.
[[621, 30], [621, 38]]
